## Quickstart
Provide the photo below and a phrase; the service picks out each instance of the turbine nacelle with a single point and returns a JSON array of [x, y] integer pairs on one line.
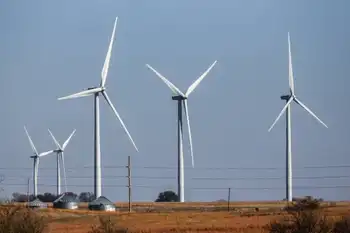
[[179, 97], [99, 89], [285, 97]]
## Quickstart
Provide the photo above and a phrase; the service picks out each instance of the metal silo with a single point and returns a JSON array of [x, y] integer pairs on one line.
[[102, 203], [66, 201], [36, 203]]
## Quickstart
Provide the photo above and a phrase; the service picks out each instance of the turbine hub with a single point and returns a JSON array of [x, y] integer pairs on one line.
[[178, 97]]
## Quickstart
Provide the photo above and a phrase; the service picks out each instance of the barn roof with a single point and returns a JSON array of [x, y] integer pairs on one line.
[[102, 200], [65, 198], [37, 203]]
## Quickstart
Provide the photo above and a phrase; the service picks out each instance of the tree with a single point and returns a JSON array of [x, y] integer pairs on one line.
[[86, 197], [167, 196], [71, 194], [46, 197], [20, 197]]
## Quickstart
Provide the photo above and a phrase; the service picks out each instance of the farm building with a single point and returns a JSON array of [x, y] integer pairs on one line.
[[66, 201], [102, 203], [36, 203]]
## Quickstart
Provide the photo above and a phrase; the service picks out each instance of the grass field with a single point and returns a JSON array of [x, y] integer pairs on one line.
[[244, 218]]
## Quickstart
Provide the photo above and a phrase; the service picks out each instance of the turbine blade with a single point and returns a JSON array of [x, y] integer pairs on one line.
[[283, 110], [68, 139], [120, 119], [189, 130], [30, 141], [82, 93], [45, 153], [108, 57], [308, 110], [290, 67], [64, 171], [196, 83], [54, 139], [174, 89]]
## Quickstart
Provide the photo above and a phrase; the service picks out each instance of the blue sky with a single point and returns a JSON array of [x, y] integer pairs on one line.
[[52, 49]]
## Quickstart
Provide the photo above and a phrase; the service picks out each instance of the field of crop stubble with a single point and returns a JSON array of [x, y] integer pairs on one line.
[[244, 217]]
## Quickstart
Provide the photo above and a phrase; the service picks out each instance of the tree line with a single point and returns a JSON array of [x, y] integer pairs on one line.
[[49, 197], [166, 196]]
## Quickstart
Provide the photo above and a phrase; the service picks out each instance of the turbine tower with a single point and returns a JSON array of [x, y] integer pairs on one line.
[[36, 157], [96, 91], [60, 157], [181, 99], [289, 98]]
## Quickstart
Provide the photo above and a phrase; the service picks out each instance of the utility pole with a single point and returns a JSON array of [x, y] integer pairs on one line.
[[129, 182], [28, 185], [228, 199]]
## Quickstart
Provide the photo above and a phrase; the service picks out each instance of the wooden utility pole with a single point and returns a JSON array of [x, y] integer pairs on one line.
[[28, 190], [228, 199], [129, 181]]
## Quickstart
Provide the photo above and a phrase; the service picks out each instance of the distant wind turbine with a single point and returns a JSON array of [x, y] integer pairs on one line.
[[36, 158], [289, 98], [60, 157], [96, 91], [181, 99]]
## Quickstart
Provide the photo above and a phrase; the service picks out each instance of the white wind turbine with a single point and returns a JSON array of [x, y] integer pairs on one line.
[[60, 157], [289, 98], [36, 158], [181, 98], [96, 91]]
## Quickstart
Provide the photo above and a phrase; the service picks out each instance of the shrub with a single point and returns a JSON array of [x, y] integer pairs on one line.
[[20, 220], [342, 226], [302, 222], [106, 225], [306, 203]]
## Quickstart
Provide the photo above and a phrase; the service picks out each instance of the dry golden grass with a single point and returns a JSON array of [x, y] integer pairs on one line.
[[165, 222], [271, 204], [80, 221], [246, 221]]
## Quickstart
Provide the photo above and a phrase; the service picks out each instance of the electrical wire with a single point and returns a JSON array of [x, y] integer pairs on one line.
[[168, 167], [193, 178], [193, 188]]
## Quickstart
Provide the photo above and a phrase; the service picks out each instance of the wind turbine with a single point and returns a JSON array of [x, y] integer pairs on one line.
[[60, 156], [96, 91], [289, 99], [36, 158], [181, 99]]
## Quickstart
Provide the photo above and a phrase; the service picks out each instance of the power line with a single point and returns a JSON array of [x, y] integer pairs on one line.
[[193, 178], [270, 178], [174, 167], [197, 188], [243, 168]]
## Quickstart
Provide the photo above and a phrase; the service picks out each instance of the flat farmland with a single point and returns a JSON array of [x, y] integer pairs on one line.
[[244, 218], [204, 206]]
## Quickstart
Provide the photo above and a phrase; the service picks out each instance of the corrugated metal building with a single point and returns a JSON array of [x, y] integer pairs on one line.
[[102, 203], [66, 201], [36, 203]]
